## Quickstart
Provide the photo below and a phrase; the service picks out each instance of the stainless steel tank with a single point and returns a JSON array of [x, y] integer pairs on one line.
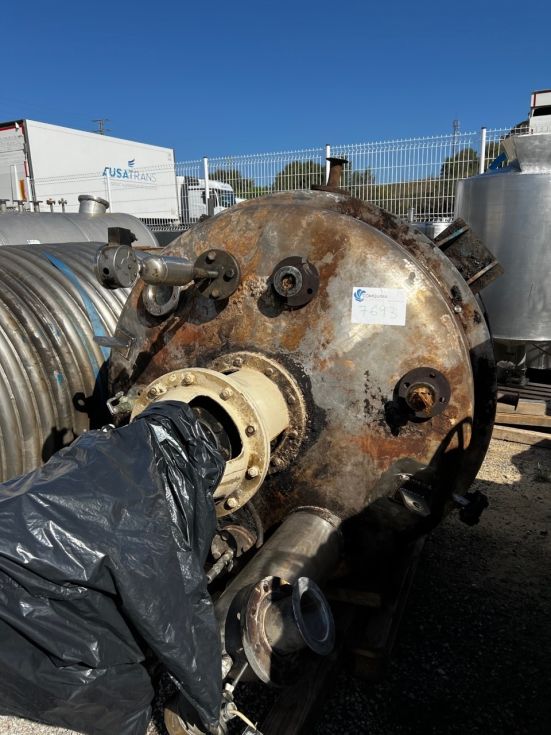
[[90, 224], [510, 210], [52, 371], [343, 366], [389, 302]]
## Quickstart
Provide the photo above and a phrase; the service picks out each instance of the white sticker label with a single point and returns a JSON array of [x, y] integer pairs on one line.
[[33, 242], [378, 306]]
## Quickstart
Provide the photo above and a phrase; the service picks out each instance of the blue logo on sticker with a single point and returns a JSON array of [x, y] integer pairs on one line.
[[131, 163], [359, 294]]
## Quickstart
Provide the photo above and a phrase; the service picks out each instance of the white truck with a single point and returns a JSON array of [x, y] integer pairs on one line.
[[49, 163], [540, 111], [193, 197]]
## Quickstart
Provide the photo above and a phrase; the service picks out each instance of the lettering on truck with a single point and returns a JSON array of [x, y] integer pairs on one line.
[[129, 173]]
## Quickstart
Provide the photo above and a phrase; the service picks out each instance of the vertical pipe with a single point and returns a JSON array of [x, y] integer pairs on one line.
[[482, 153], [109, 193], [327, 162]]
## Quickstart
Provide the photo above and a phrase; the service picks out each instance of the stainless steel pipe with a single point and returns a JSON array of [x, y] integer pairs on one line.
[[274, 606]]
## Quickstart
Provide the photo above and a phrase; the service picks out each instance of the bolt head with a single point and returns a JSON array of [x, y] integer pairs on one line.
[[291, 399], [215, 293], [250, 430], [269, 372], [211, 256], [156, 390], [253, 471], [232, 502], [457, 309], [277, 463], [238, 361], [226, 393], [188, 379]]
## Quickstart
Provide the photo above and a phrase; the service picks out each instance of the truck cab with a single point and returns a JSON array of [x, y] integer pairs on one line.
[[193, 200], [540, 111]]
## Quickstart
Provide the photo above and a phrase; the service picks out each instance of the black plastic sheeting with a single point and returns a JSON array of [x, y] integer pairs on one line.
[[101, 569]]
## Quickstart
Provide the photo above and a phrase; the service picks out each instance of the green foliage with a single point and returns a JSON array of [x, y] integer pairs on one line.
[[242, 186], [460, 165], [299, 175], [359, 183]]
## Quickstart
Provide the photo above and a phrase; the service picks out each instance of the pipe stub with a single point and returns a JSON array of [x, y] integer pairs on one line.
[[90, 204], [309, 625], [313, 616]]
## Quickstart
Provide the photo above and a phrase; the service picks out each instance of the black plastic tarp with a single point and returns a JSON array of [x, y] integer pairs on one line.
[[101, 567]]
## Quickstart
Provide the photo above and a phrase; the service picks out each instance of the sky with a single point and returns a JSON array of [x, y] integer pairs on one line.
[[225, 78]]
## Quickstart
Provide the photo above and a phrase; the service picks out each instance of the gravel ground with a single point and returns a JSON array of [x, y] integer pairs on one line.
[[473, 653]]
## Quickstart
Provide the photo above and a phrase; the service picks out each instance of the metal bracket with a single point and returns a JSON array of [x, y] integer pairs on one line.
[[119, 404], [470, 256], [121, 341]]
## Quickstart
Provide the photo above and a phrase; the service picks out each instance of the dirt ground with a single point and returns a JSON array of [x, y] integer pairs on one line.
[[473, 653]]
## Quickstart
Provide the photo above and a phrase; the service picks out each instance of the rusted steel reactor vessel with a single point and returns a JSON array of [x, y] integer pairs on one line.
[[341, 363]]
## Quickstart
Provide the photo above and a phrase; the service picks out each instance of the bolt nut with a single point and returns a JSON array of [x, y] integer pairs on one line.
[[232, 502], [277, 463], [226, 393], [156, 390], [173, 379], [211, 256], [188, 379], [253, 471], [457, 309], [250, 430], [269, 372], [238, 361]]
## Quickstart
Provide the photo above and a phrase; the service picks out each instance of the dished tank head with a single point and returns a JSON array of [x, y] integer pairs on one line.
[[365, 317]]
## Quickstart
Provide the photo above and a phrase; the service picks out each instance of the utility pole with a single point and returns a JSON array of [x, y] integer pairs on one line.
[[455, 128], [101, 126]]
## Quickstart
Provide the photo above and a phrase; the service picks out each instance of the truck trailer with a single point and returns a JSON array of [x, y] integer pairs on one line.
[[53, 165]]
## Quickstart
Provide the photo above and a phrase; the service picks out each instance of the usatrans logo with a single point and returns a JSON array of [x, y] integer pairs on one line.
[[130, 173]]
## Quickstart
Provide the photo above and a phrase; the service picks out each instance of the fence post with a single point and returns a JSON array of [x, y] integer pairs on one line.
[[209, 203], [482, 153], [206, 177], [327, 164]]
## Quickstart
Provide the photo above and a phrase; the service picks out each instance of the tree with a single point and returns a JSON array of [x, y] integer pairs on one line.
[[460, 165], [242, 186], [299, 175], [359, 183]]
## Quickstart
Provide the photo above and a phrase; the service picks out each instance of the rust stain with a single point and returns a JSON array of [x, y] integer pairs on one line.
[[346, 455]]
